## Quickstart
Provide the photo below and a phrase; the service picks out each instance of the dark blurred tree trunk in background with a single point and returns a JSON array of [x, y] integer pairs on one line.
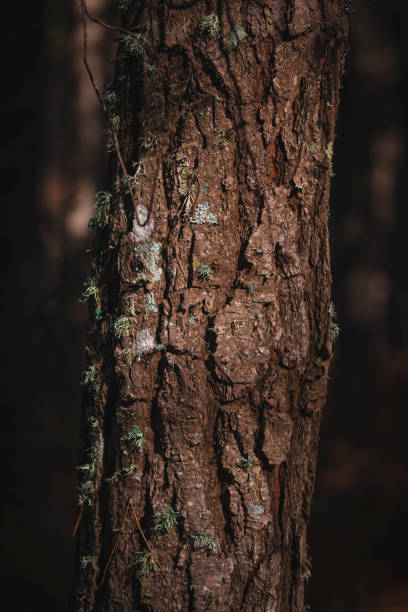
[[211, 333], [48, 178]]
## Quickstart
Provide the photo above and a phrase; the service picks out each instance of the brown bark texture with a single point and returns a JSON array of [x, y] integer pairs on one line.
[[210, 340]]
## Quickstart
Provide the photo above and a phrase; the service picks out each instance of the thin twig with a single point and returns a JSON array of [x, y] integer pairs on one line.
[[115, 544], [144, 538], [106, 25], [106, 111], [130, 503], [172, 244], [78, 522]]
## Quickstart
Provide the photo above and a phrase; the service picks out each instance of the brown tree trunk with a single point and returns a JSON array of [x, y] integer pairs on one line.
[[210, 340]]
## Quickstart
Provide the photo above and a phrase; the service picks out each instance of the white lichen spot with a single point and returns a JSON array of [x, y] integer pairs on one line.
[[144, 343], [255, 511], [238, 35], [142, 232], [203, 215]]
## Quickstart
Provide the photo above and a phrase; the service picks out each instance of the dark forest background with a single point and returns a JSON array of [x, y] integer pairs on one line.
[[52, 163]]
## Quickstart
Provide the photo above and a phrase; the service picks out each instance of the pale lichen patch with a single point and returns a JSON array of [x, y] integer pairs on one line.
[[144, 343], [143, 231], [203, 215], [148, 256], [255, 511]]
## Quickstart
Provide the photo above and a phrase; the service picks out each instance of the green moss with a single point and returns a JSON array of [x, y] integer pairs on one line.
[[159, 347], [102, 210], [87, 562], [133, 437], [95, 453], [131, 45], [334, 328], [93, 422], [110, 96], [182, 162], [92, 379], [251, 288], [209, 26], [133, 179], [90, 289], [206, 541], [245, 464], [128, 470], [116, 123], [122, 473], [204, 272], [87, 467], [166, 520], [86, 491], [149, 141], [145, 564], [123, 326], [329, 151], [222, 139], [334, 331], [124, 354]]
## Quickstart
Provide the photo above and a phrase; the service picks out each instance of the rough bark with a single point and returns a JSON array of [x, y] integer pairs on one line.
[[221, 358]]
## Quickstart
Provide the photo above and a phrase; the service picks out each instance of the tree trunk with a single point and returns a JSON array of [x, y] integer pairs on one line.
[[211, 333]]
